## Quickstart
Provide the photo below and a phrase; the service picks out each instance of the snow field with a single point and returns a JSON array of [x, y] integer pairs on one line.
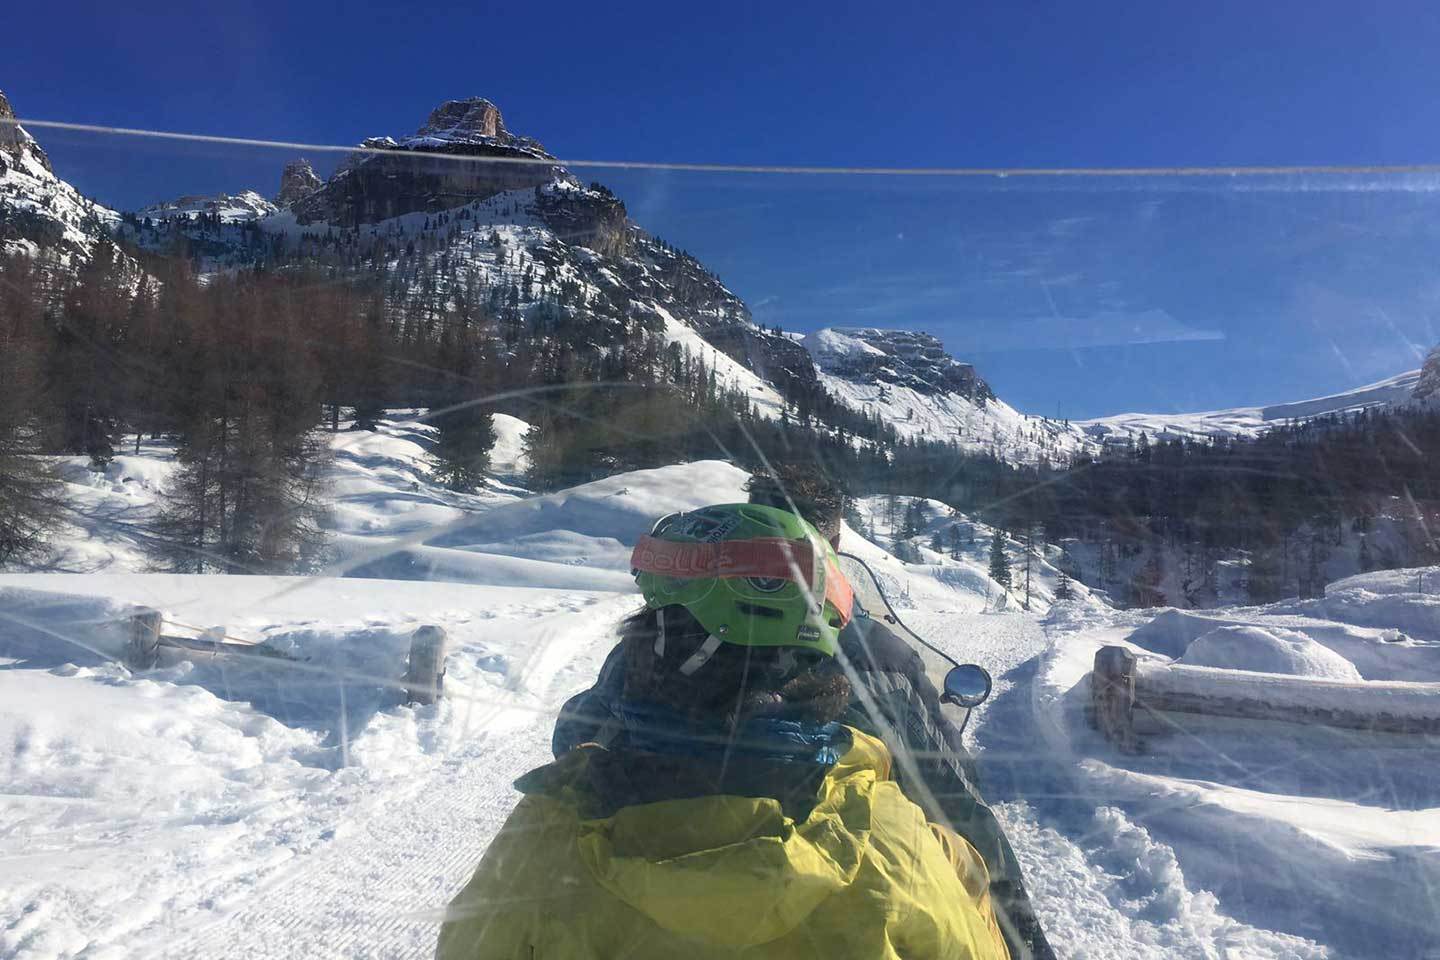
[[274, 806], [1332, 836], [284, 807]]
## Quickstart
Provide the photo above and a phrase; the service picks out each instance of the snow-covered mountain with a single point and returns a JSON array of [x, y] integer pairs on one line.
[[38, 210], [908, 380], [1401, 389], [465, 204], [244, 206]]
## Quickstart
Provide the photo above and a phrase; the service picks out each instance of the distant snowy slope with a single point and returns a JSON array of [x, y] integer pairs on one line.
[[1253, 421], [730, 372], [910, 382], [244, 206]]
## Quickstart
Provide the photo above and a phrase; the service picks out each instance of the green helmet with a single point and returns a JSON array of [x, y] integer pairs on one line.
[[749, 574]]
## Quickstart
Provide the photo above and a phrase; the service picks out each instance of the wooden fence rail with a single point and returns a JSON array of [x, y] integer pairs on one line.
[[423, 682], [1123, 688]]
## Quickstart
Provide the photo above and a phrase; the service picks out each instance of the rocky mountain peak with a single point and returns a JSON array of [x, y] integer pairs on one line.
[[298, 180], [464, 119], [14, 141], [440, 167], [900, 357]]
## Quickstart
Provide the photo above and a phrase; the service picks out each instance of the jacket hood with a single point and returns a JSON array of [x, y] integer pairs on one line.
[[694, 865]]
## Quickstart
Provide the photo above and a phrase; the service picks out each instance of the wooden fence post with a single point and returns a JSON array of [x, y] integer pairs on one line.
[[144, 649], [425, 677], [1112, 697]]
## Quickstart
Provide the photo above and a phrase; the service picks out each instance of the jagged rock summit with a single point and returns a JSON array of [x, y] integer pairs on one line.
[[297, 182], [441, 167], [475, 115]]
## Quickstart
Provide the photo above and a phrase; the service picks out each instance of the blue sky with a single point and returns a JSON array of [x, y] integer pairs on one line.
[[1080, 298]]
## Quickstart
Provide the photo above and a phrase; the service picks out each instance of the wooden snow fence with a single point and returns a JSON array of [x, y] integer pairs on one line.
[[1129, 696], [424, 675], [147, 638]]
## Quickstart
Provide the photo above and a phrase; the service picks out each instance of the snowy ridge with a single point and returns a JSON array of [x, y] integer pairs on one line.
[[765, 398], [240, 208], [996, 428], [909, 381], [902, 377], [1252, 421], [307, 810]]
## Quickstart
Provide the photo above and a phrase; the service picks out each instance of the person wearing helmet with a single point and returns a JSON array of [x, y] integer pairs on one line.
[[895, 701], [730, 814]]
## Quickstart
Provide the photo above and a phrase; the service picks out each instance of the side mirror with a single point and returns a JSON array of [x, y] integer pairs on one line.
[[967, 685]]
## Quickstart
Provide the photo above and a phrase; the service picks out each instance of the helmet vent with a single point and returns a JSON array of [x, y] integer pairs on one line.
[[750, 609]]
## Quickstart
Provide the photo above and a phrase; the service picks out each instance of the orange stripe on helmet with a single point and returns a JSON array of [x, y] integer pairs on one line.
[[838, 590], [770, 558]]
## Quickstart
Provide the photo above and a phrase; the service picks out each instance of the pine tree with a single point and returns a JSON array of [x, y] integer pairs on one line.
[[462, 450], [1263, 579], [29, 500], [937, 542], [999, 563], [1063, 590], [910, 527], [1145, 585], [955, 541], [248, 496]]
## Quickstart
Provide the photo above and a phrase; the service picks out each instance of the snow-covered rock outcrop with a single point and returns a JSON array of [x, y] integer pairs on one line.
[[297, 181], [417, 174], [38, 210], [907, 379]]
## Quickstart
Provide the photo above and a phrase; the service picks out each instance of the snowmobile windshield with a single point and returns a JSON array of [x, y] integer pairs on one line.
[[338, 404]]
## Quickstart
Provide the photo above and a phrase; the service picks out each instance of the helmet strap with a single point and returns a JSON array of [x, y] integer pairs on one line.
[[702, 656], [660, 632]]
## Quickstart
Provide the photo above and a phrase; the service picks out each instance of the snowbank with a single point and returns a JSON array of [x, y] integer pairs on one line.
[[1268, 651], [220, 806], [1331, 837], [595, 523]]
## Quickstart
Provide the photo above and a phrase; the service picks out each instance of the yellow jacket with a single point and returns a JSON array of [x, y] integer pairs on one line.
[[726, 877]]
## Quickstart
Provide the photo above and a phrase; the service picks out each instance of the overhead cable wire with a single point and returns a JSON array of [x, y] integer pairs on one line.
[[1000, 172]]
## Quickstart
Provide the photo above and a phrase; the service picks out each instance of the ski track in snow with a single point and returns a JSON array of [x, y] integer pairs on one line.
[[379, 890]]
